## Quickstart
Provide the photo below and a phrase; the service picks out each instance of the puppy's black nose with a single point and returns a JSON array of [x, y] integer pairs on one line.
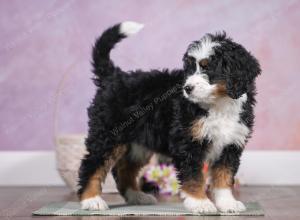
[[188, 89]]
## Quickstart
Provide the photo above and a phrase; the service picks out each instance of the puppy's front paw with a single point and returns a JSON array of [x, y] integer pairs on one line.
[[225, 201], [139, 198], [94, 203], [199, 205], [230, 205]]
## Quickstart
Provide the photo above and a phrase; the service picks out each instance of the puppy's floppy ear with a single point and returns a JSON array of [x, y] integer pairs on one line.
[[240, 69], [188, 62], [185, 61]]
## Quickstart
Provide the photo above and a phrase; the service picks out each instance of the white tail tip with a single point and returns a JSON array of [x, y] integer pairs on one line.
[[130, 27]]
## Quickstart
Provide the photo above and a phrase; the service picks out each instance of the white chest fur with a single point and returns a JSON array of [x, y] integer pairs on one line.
[[222, 126]]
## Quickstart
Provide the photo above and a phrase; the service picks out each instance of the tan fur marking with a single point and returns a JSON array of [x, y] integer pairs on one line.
[[220, 90], [196, 189], [221, 177], [94, 187], [196, 129], [127, 174]]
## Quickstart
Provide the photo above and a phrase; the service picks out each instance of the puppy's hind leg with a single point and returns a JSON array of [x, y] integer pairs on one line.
[[126, 173], [93, 171]]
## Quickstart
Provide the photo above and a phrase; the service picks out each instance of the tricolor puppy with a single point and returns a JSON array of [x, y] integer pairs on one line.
[[201, 113]]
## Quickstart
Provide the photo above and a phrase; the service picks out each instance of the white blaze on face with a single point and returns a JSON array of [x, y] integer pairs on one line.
[[202, 50]]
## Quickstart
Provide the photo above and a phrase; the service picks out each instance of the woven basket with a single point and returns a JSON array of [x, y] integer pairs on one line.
[[70, 148]]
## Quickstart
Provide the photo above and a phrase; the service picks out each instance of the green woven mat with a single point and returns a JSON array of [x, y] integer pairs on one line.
[[161, 209]]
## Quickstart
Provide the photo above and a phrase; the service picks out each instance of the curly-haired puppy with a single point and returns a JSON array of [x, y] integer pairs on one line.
[[201, 113]]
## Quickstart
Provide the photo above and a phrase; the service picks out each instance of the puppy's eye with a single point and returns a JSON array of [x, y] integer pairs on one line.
[[203, 63]]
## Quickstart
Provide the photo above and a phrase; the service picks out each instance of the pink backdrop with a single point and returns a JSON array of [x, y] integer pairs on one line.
[[42, 40]]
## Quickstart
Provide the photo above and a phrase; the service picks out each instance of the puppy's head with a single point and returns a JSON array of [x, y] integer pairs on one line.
[[215, 67]]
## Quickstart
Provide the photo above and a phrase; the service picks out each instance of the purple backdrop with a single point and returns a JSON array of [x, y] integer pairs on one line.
[[43, 42]]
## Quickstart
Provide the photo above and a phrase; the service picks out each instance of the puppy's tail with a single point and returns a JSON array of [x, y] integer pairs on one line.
[[105, 43]]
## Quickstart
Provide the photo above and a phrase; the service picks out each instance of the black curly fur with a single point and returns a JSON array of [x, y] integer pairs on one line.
[[148, 107]]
